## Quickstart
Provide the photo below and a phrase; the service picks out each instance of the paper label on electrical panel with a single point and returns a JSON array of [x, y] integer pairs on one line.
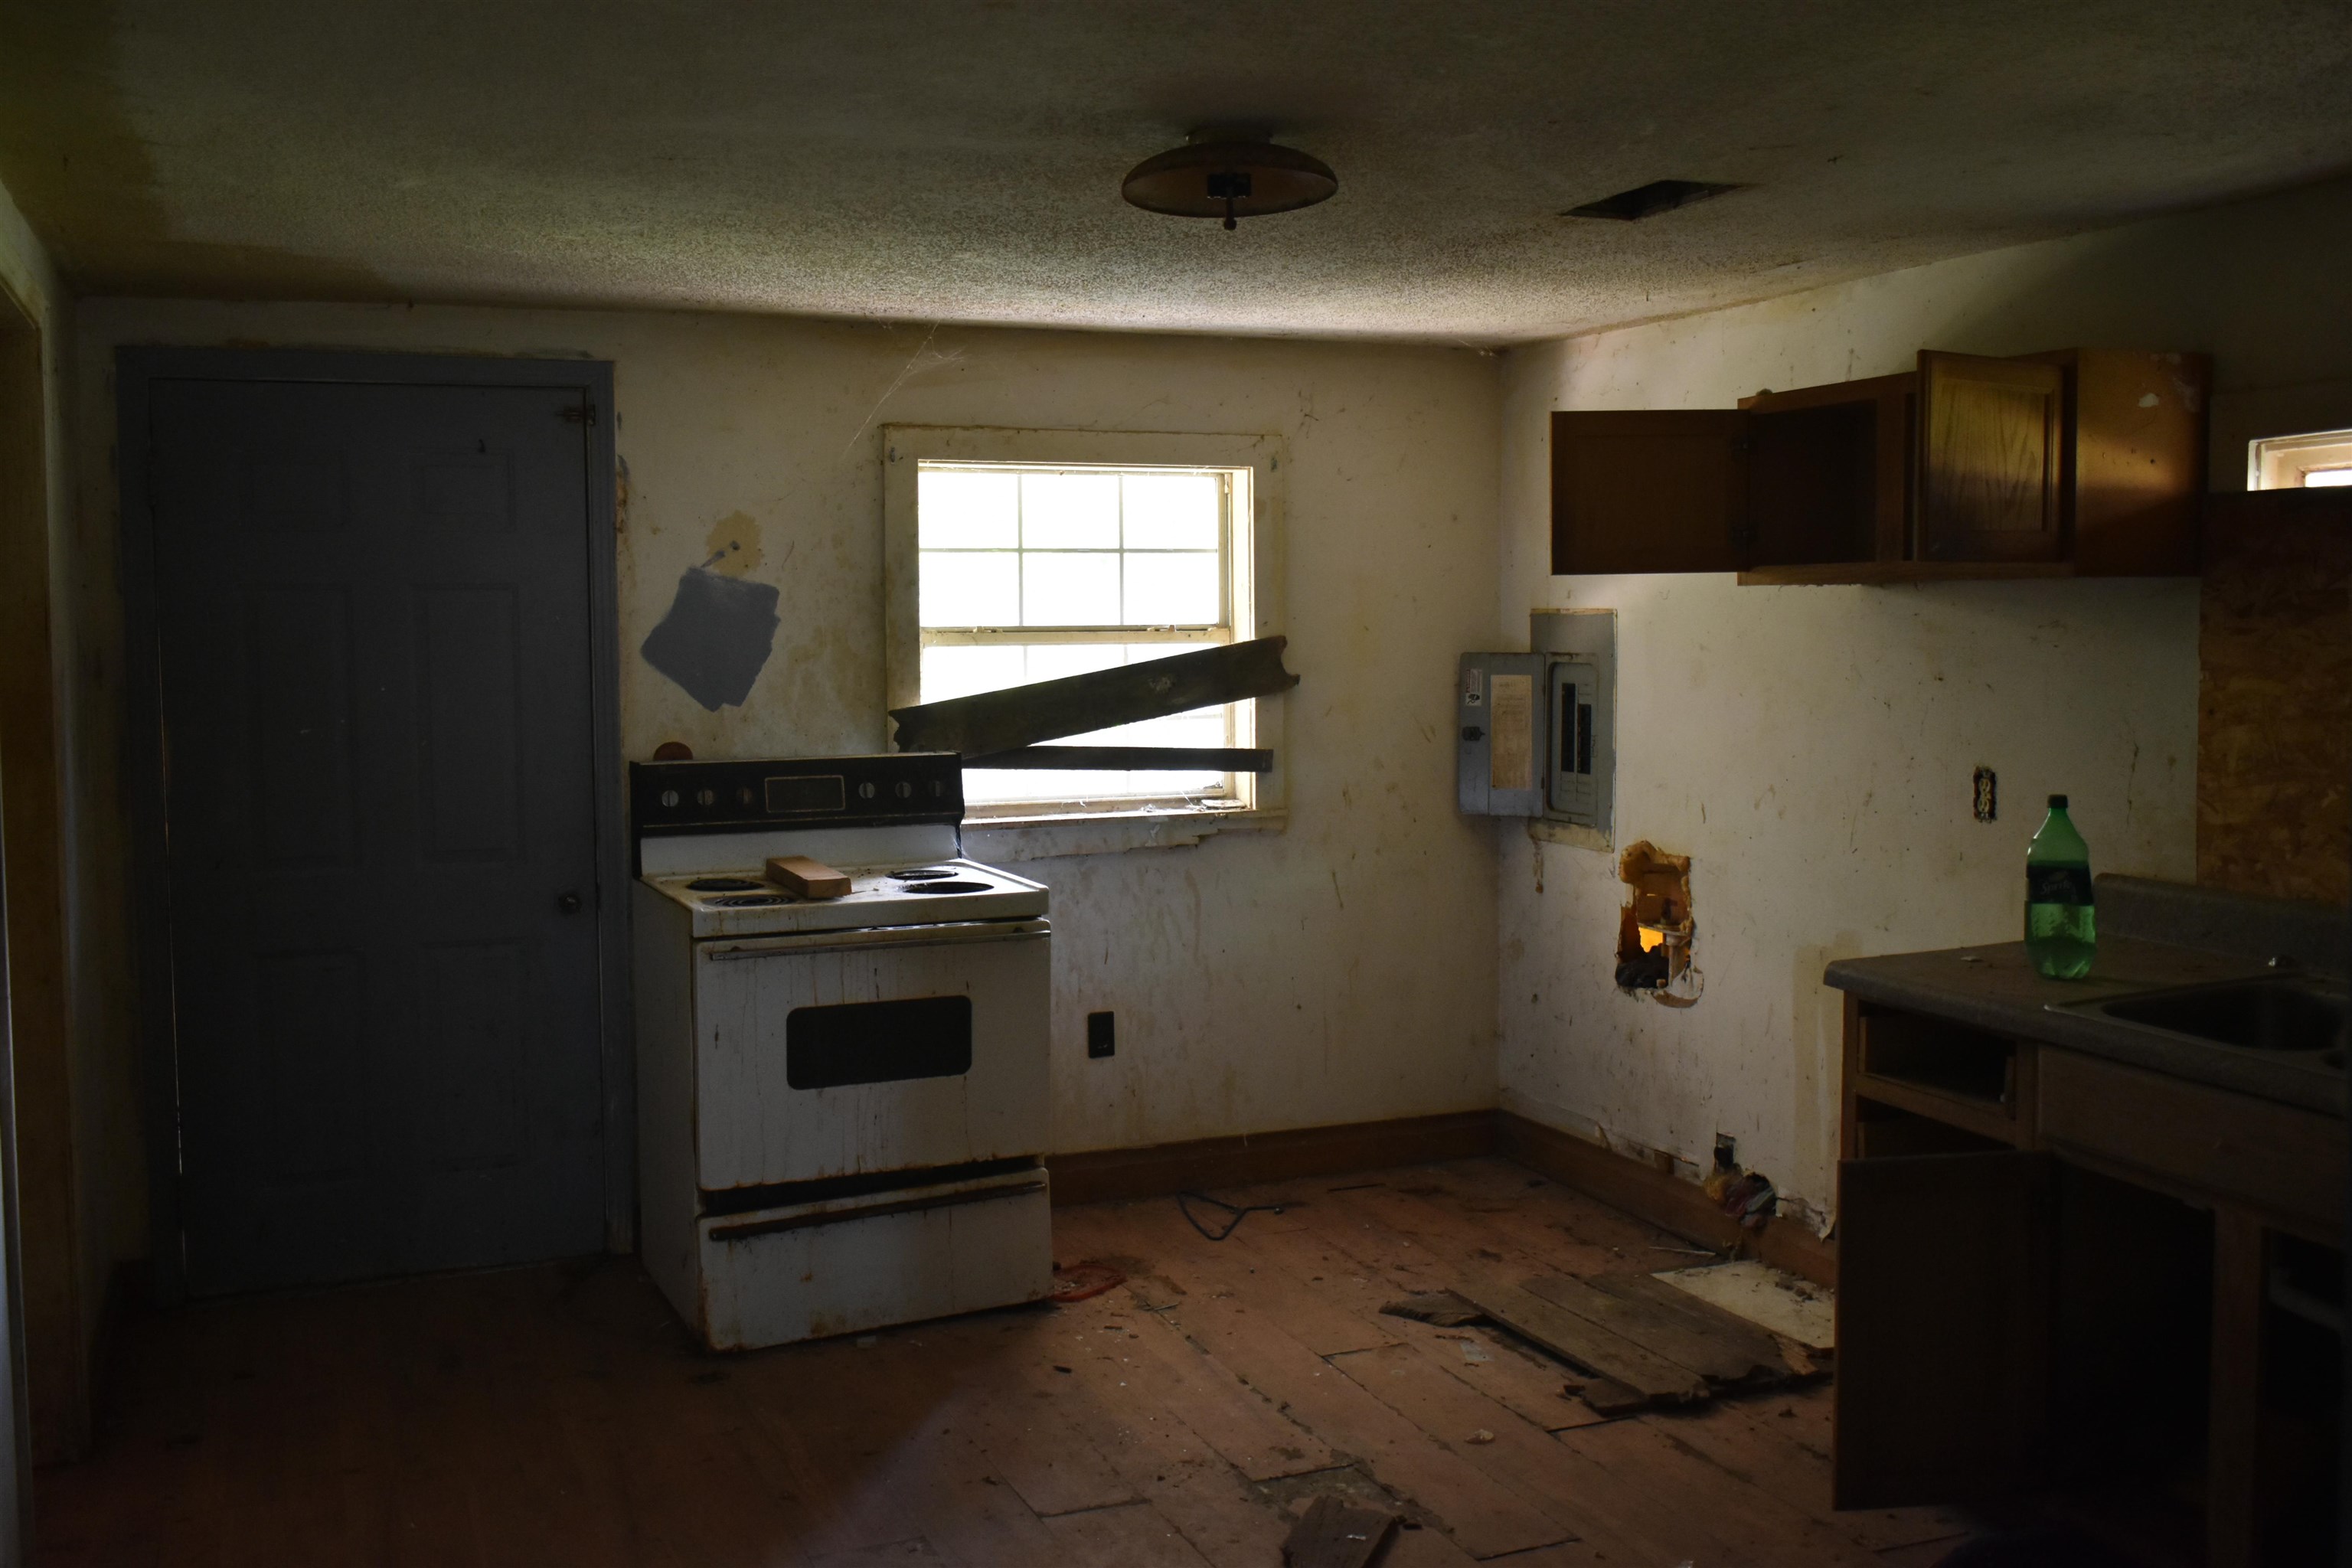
[[1511, 761]]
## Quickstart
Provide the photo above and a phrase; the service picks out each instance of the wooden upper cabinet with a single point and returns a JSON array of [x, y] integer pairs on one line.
[[2087, 462], [2131, 477], [1989, 434], [1648, 491], [1829, 472]]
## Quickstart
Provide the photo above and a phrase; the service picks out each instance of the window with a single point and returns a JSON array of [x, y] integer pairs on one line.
[[1033, 556], [2296, 462]]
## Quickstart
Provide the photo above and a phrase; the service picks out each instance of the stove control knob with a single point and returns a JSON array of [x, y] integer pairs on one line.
[[865, 790], [906, 790], [567, 903]]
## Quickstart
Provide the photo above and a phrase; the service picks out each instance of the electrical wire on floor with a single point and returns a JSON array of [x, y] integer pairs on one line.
[[1184, 1202]]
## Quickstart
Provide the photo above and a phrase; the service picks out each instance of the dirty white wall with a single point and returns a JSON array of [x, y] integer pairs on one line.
[[1340, 970], [1810, 748]]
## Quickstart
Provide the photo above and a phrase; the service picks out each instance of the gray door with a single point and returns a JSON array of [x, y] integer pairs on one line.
[[373, 619]]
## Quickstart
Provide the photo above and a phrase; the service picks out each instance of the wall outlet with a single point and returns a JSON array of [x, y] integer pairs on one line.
[[1984, 796], [1102, 1039]]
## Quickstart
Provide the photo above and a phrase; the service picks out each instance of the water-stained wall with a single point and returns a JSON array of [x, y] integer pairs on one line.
[[1339, 968], [1810, 748]]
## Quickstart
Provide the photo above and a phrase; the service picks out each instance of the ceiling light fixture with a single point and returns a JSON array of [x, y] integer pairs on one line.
[[1231, 174]]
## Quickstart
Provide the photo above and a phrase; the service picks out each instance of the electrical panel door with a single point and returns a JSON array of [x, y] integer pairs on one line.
[[1499, 704]]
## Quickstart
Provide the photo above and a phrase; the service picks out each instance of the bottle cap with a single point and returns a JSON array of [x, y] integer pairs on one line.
[[2058, 801]]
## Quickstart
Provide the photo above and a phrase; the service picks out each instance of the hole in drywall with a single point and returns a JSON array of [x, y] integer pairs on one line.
[[1654, 929], [1650, 200]]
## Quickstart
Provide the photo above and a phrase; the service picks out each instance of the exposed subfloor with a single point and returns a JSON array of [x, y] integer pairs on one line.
[[560, 1414]]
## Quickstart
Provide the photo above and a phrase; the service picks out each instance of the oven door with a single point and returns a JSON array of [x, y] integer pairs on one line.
[[847, 1052]]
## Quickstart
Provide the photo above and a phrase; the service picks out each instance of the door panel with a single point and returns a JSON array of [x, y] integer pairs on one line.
[[1944, 1324], [1648, 491], [1988, 459], [375, 666]]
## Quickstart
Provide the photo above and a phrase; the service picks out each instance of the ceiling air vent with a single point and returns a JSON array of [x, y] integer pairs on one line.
[[1650, 200]]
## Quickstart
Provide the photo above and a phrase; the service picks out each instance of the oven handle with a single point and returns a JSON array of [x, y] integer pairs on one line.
[[894, 937]]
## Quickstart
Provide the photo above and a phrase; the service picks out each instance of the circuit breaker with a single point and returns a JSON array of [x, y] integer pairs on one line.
[[1571, 787]]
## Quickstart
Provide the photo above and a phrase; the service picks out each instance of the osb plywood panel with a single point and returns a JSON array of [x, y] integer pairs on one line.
[[2275, 706]]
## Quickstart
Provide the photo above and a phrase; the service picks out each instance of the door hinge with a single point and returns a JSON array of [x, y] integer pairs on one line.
[[580, 413]]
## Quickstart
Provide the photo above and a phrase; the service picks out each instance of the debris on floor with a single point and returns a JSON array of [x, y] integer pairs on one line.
[[1331, 1534], [1751, 1200], [1084, 1281], [1772, 1298], [1444, 1308], [1636, 1341]]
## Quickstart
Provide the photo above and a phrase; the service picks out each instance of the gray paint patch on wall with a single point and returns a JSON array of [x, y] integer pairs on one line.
[[717, 636]]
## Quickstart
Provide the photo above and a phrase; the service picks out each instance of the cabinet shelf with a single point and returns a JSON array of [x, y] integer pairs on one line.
[[1985, 1117]]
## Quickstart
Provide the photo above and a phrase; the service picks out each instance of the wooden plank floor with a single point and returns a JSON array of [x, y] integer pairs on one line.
[[560, 1414]]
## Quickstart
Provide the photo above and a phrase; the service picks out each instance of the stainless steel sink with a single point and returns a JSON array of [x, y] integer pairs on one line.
[[2293, 1016]]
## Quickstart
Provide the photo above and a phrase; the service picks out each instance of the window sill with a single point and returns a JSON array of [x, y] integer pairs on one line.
[[1007, 838]]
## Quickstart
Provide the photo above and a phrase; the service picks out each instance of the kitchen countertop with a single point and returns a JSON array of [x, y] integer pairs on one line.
[[1994, 988]]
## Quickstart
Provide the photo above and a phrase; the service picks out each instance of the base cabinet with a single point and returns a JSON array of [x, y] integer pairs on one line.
[[2061, 1276]]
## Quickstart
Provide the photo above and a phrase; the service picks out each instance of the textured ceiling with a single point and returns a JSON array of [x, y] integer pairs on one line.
[[959, 160]]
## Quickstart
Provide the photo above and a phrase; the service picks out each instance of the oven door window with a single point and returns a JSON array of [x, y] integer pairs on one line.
[[877, 1042]]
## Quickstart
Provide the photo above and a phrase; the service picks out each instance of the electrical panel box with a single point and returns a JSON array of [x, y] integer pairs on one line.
[[1539, 731], [1498, 704]]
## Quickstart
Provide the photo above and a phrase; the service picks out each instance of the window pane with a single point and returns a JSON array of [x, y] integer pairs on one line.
[[959, 509], [1069, 511], [1202, 727], [1069, 589], [1050, 661], [1177, 589], [970, 588], [1174, 512], [963, 671]]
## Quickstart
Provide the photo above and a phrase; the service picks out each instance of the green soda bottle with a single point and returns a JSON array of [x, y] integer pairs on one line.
[[2061, 929]]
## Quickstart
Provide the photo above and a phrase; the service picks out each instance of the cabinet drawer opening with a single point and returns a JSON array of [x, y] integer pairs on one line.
[[1942, 1058]]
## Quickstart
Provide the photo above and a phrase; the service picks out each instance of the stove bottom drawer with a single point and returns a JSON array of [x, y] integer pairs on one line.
[[808, 1273]]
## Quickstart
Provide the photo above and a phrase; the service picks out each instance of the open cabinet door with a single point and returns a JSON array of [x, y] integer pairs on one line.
[[1648, 491], [1944, 1325], [1990, 431]]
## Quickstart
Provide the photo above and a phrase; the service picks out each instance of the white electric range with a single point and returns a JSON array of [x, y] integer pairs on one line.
[[841, 1103]]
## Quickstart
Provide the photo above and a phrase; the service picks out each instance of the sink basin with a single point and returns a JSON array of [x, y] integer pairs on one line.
[[2291, 1015]]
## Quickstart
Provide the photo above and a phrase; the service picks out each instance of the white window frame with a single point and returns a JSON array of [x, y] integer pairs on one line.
[[2283, 462], [1254, 582]]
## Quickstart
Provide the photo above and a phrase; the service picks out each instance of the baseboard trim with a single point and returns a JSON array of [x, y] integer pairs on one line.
[[1102, 1175], [1665, 1200]]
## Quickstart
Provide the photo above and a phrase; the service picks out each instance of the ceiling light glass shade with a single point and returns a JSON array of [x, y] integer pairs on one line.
[[1229, 178]]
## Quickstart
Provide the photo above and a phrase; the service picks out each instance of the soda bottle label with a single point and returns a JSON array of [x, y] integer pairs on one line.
[[2058, 885]]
